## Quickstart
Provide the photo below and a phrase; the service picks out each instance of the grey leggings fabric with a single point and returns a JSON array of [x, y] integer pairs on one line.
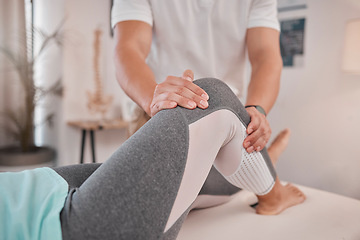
[[130, 196], [215, 183]]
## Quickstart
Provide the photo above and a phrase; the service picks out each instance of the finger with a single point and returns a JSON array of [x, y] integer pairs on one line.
[[254, 147], [254, 123], [166, 105], [174, 97], [158, 106], [188, 75], [171, 79], [252, 138], [258, 139], [196, 89], [188, 84], [250, 149], [186, 93], [259, 144]]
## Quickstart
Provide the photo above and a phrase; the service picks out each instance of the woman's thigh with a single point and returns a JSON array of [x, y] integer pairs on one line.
[[131, 194]]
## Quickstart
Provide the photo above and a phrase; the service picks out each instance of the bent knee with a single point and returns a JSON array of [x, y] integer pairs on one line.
[[214, 85], [222, 97]]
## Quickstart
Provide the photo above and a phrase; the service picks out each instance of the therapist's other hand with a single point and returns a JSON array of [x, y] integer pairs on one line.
[[178, 91], [258, 129]]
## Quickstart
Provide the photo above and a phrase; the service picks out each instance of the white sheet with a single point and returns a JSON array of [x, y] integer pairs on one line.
[[323, 216]]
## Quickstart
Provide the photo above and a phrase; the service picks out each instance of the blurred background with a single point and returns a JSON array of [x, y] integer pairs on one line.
[[319, 97]]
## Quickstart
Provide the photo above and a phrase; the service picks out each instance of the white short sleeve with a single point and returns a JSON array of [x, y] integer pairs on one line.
[[123, 10], [263, 13]]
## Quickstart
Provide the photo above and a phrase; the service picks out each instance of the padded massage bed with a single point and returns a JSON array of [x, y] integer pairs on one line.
[[323, 216]]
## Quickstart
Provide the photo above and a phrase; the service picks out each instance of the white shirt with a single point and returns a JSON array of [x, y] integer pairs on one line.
[[206, 36]]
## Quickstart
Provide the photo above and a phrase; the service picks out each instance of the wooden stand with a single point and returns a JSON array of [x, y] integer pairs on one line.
[[92, 126]]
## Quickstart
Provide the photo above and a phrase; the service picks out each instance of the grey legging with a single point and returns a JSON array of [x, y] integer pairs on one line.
[[131, 195]]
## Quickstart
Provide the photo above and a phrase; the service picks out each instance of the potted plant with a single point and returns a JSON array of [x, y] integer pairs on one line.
[[20, 123]]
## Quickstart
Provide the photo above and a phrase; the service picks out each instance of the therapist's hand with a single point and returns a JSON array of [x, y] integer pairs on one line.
[[180, 91], [258, 129]]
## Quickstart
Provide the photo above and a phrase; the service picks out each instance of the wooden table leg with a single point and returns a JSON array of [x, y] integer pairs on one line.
[[92, 136], [82, 146]]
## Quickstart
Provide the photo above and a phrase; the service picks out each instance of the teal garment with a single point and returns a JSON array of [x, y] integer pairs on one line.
[[30, 204]]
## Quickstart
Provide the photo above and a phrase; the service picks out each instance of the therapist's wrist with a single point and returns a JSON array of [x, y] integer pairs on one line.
[[257, 107]]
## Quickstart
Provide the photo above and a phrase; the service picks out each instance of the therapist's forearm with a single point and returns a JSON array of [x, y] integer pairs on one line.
[[135, 76], [264, 85]]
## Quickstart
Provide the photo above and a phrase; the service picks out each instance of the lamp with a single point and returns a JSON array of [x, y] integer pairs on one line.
[[351, 60]]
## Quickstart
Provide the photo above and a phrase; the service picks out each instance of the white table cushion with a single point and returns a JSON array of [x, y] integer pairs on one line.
[[323, 216]]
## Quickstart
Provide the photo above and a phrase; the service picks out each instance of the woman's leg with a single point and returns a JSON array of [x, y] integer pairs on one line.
[[75, 175], [217, 190], [146, 188]]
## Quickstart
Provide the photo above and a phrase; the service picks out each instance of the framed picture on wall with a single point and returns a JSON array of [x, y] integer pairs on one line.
[[292, 17], [291, 5], [292, 41]]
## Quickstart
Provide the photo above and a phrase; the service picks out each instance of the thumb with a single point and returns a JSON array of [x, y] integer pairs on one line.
[[188, 75]]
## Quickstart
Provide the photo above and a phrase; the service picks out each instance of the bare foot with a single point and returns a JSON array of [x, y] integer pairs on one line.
[[279, 145], [279, 199]]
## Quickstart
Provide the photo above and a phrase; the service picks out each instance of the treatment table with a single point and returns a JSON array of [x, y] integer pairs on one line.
[[323, 216]]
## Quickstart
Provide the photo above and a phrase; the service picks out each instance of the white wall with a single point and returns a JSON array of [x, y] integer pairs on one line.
[[73, 63], [320, 104], [82, 18], [48, 16]]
